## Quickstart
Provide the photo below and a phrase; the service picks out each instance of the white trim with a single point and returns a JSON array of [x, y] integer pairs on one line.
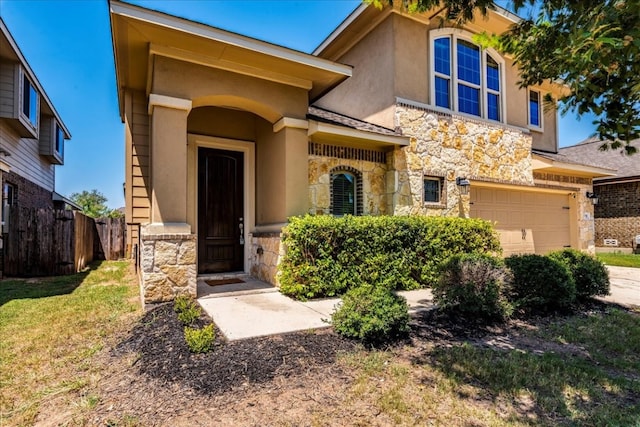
[[319, 127], [454, 35], [216, 34], [156, 100], [540, 110], [4, 167], [248, 149], [290, 122]]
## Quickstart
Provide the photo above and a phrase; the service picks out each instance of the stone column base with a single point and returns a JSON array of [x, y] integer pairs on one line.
[[168, 266], [266, 252]]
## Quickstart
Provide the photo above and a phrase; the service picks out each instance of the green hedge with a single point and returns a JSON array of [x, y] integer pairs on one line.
[[326, 256]]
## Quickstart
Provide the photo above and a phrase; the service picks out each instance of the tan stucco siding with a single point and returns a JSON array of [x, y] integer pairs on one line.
[[213, 87], [370, 91], [270, 176], [411, 41], [222, 123], [24, 158], [137, 175]]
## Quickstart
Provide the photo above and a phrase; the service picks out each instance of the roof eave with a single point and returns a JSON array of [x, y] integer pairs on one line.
[[545, 164], [328, 132]]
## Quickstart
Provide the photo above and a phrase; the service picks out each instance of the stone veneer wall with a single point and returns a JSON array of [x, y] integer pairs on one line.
[[373, 184], [578, 187], [266, 252], [168, 266], [451, 146]]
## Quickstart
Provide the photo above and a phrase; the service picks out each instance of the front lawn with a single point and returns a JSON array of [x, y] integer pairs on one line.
[[620, 260], [52, 329]]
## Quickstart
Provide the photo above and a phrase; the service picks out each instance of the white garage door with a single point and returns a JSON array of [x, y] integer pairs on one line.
[[528, 222]]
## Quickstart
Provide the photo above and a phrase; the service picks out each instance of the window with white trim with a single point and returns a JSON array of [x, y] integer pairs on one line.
[[535, 109], [466, 78], [29, 101]]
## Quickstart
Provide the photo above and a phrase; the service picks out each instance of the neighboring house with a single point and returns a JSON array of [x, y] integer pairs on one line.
[[617, 213], [32, 134], [228, 136]]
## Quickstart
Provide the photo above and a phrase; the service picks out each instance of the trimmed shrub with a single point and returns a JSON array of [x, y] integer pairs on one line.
[[372, 315], [326, 256], [540, 282], [187, 309], [200, 340], [589, 273], [474, 285]]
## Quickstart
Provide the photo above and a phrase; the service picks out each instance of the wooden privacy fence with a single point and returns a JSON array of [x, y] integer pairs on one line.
[[43, 242]]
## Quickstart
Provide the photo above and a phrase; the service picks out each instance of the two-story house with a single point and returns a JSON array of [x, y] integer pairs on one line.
[[32, 134], [398, 114]]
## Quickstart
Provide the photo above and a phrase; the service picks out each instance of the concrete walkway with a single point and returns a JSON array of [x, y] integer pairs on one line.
[[625, 286], [255, 308]]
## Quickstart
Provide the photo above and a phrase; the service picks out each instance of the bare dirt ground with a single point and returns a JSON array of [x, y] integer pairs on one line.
[[294, 379]]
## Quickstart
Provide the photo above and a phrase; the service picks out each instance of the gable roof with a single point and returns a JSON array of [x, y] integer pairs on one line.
[[331, 117], [588, 152], [139, 33], [9, 50]]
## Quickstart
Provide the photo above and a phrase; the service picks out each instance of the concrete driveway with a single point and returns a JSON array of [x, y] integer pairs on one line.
[[625, 286]]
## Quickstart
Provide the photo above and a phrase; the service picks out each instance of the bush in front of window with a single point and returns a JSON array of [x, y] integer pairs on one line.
[[540, 283], [474, 285], [373, 315], [589, 273], [326, 256]]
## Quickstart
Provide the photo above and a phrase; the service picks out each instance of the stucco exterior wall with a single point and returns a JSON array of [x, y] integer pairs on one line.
[[451, 147], [369, 93]]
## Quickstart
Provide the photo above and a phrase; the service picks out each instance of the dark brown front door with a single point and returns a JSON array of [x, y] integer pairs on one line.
[[220, 211]]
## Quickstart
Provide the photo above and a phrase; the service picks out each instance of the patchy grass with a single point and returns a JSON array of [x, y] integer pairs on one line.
[[52, 328], [620, 260]]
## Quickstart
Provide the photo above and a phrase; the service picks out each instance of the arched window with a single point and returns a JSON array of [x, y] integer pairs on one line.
[[346, 191], [465, 77]]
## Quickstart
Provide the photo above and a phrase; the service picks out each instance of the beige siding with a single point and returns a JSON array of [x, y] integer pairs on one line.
[[137, 162], [25, 159], [7, 86]]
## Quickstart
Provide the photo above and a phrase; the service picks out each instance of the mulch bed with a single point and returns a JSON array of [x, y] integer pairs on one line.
[[159, 340]]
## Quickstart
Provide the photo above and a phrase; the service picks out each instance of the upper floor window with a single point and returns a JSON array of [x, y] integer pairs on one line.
[[29, 101], [466, 78], [59, 143], [346, 191], [535, 109]]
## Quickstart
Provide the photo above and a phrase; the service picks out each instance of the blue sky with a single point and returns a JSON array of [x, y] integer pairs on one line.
[[68, 45]]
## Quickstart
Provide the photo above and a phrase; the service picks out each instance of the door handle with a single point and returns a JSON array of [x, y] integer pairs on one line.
[[241, 227]]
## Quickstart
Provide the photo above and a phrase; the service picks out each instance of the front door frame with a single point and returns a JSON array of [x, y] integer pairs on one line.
[[194, 142]]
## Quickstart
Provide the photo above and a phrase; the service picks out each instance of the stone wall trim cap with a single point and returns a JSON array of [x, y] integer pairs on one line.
[[156, 228]]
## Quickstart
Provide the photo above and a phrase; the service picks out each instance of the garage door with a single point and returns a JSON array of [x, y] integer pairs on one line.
[[528, 222]]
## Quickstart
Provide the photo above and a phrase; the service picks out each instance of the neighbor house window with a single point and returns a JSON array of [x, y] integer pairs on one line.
[[465, 77], [59, 140], [29, 101], [346, 192], [433, 189], [535, 108]]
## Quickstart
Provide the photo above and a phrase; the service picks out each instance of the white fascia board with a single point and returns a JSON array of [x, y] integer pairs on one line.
[[328, 129], [216, 34]]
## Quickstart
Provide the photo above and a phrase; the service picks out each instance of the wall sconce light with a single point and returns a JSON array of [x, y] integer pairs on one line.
[[593, 197], [463, 185]]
